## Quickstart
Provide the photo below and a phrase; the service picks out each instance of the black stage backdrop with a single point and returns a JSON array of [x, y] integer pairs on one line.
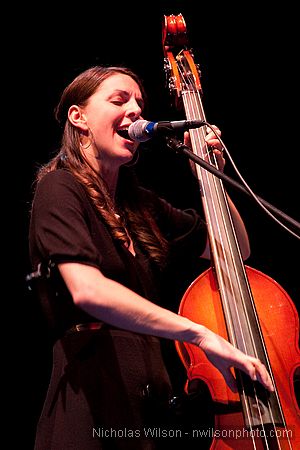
[[251, 91]]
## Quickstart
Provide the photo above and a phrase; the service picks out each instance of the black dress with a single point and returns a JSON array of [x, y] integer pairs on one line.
[[109, 388]]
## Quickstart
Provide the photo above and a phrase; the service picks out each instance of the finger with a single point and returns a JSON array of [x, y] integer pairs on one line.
[[212, 140], [218, 152], [258, 372], [219, 155], [212, 131], [262, 375], [187, 138], [212, 128], [218, 148]]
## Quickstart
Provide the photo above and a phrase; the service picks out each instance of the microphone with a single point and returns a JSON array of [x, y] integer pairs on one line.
[[143, 130]]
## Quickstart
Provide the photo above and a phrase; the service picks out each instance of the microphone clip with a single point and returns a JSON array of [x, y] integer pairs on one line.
[[175, 144]]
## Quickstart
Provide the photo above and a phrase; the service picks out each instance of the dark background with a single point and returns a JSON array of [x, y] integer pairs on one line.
[[251, 91]]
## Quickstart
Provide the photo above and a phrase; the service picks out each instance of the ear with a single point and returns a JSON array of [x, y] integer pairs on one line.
[[77, 117]]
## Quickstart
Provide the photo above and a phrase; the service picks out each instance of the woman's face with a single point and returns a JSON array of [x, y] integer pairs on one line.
[[116, 104]]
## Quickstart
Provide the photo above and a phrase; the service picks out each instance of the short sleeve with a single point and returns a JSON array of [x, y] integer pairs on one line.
[[185, 230], [59, 227]]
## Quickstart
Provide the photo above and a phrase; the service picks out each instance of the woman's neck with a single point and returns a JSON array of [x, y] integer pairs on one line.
[[107, 170]]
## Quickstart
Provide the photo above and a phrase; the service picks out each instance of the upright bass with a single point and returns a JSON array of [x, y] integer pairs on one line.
[[240, 303]]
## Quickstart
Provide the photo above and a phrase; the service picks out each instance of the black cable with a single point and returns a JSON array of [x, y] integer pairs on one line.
[[178, 146]]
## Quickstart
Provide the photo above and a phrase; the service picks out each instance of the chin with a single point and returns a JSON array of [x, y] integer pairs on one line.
[[129, 159]]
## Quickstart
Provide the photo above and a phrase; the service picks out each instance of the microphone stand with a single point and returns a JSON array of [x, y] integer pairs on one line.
[[179, 147]]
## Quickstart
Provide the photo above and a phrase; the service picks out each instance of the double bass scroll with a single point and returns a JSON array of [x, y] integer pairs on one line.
[[240, 303]]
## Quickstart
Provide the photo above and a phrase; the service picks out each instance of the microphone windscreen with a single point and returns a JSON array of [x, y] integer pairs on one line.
[[137, 131]]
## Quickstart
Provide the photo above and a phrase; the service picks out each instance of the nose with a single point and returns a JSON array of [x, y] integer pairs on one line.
[[134, 110]]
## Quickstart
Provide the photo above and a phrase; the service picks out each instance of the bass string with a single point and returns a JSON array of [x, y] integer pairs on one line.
[[194, 110]]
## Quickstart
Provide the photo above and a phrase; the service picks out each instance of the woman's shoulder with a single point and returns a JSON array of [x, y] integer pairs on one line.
[[59, 184], [58, 175], [58, 179]]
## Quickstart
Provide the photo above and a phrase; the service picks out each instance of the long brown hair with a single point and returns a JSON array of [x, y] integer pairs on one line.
[[131, 213]]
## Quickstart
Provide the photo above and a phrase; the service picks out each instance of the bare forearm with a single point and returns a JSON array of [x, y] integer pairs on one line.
[[117, 305], [113, 303]]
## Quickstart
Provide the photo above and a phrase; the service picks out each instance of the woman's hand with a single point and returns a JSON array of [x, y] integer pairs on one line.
[[213, 143], [223, 356]]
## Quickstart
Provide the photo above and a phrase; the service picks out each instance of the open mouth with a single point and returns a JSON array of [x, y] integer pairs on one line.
[[123, 132]]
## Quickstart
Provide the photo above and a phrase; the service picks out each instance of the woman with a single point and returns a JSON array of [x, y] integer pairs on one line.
[[101, 245]]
